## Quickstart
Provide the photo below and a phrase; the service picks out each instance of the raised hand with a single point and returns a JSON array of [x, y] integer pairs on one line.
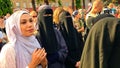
[[44, 63], [38, 57]]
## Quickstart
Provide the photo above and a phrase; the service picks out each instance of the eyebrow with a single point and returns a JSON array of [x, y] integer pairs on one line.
[[23, 20]]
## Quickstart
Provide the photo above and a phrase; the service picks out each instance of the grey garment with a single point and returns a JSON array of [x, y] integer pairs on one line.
[[102, 47], [62, 51], [90, 22]]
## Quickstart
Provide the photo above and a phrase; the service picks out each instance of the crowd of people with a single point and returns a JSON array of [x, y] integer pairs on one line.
[[61, 38]]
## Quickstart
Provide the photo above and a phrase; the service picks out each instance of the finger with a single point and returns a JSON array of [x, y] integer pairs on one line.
[[43, 57], [35, 50], [40, 53], [43, 53], [39, 50]]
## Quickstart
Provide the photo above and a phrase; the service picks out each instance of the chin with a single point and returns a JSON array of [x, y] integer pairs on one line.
[[28, 35], [31, 35]]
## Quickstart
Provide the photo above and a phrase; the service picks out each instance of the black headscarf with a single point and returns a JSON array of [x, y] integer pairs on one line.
[[47, 34], [70, 35], [102, 47]]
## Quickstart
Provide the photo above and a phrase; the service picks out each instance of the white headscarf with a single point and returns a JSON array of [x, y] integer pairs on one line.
[[20, 46]]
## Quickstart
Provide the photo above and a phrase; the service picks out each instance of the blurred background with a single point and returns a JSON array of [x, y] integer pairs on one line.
[[7, 6]]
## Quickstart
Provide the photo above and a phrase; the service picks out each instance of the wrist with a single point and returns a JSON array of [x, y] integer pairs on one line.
[[31, 66]]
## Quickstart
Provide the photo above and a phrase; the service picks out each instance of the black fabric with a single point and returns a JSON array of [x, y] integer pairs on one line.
[[114, 59], [46, 31], [70, 35], [2, 44], [3, 30], [86, 29], [53, 57]]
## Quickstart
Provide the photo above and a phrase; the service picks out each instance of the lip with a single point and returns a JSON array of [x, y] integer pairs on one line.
[[31, 30]]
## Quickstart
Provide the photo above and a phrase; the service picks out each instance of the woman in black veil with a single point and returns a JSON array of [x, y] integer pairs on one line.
[[50, 38], [74, 43]]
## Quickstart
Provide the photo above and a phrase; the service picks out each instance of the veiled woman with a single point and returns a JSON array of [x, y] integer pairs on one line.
[[70, 34], [51, 38], [102, 47]]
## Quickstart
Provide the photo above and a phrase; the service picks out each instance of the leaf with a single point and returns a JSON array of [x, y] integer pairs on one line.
[[5, 7], [1, 13], [59, 2]]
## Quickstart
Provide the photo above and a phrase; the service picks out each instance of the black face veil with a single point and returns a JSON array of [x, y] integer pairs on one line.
[[70, 35], [46, 30]]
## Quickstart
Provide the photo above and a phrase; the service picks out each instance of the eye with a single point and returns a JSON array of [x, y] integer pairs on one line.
[[23, 22], [34, 16], [30, 20]]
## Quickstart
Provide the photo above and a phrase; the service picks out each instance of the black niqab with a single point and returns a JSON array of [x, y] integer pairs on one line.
[[46, 31]]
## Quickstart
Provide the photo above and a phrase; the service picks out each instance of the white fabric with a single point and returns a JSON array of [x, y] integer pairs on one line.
[[18, 52], [1, 35]]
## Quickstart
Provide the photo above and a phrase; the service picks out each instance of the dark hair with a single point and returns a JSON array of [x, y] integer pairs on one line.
[[1, 17], [46, 2], [75, 13]]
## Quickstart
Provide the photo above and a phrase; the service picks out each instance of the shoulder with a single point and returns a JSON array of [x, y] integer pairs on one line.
[[88, 16], [7, 55], [7, 49], [109, 22], [8, 46]]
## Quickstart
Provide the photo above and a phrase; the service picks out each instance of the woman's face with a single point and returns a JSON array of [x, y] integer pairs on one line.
[[34, 16], [26, 25]]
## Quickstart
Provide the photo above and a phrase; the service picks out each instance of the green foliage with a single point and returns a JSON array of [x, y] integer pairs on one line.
[[39, 1], [5, 7], [59, 2], [78, 4]]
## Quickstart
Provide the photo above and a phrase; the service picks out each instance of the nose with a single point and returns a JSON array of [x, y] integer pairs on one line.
[[30, 24]]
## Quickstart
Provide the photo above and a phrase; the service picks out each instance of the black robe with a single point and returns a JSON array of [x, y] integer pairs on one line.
[[73, 39], [46, 31], [51, 39]]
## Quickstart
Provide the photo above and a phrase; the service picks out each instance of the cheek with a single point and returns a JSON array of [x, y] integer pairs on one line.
[[119, 16], [0, 20], [23, 29]]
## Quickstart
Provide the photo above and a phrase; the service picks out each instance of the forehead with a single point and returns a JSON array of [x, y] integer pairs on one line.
[[25, 15], [33, 13]]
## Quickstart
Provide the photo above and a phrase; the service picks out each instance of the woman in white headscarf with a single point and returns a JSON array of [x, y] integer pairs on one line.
[[22, 50]]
